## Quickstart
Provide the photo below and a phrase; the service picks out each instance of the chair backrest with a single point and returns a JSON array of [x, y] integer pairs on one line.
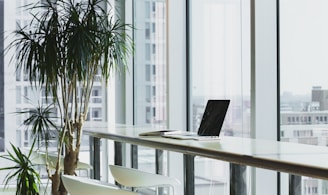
[[135, 178], [84, 186], [39, 158]]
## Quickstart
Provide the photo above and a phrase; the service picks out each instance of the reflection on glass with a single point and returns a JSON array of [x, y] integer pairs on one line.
[[150, 74], [219, 68], [219, 32], [303, 79], [150, 62]]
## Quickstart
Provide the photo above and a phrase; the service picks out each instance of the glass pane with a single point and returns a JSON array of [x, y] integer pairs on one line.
[[2, 81], [150, 73], [220, 69], [303, 79], [150, 62], [20, 96]]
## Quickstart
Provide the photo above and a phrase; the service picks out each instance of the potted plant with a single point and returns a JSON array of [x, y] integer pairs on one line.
[[22, 171], [63, 50]]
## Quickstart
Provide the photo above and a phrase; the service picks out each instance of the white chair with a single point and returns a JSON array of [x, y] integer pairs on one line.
[[84, 186], [130, 177], [52, 159], [39, 158]]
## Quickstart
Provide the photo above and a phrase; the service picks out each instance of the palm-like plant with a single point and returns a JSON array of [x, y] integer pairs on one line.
[[27, 178], [64, 49], [41, 122]]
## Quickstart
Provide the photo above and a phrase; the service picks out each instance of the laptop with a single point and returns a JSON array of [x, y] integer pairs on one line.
[[210, 125]]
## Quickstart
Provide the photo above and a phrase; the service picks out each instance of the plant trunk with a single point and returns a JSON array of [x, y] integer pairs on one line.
[[56, 182], [70, 162]]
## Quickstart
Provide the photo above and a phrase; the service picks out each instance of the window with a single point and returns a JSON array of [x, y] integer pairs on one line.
[[96, 113], [154, 69], [154, 6], [96, 92], [147, 30], [147, 52], [303, 49], [154, 48], [154, 112], [25, 96], [154, 91], [147, 76], [149, 59], [148, 114], [153, 27], [219, 68], [147, 9], [218, 39]]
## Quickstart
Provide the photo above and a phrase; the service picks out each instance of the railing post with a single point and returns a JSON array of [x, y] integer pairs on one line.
[[295, 184], [159, 167], [95, 157], [118, 153], [189, 173], [134, 156], [237, 179]]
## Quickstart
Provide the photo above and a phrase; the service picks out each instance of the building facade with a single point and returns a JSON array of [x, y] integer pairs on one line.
[[308, 125]]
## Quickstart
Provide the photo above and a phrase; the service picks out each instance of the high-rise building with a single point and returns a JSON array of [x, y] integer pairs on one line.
[[150, 62], [321, 96], [307, 125]]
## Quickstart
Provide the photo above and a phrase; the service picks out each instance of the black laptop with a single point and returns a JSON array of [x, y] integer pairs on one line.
[[210, 125], [213, 117]]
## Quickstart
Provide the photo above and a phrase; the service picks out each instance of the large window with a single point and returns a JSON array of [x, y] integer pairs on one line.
[[303, 78], [220, 69], [150, 95], [150, 62], [220, 66]]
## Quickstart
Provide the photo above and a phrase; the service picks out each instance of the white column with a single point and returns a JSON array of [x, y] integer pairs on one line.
[[264, 85], [176, 79]]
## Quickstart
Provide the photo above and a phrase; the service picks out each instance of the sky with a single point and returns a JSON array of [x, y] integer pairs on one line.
[[303, 45]]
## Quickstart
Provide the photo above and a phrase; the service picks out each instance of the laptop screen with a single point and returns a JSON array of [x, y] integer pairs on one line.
[[213, 117]]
